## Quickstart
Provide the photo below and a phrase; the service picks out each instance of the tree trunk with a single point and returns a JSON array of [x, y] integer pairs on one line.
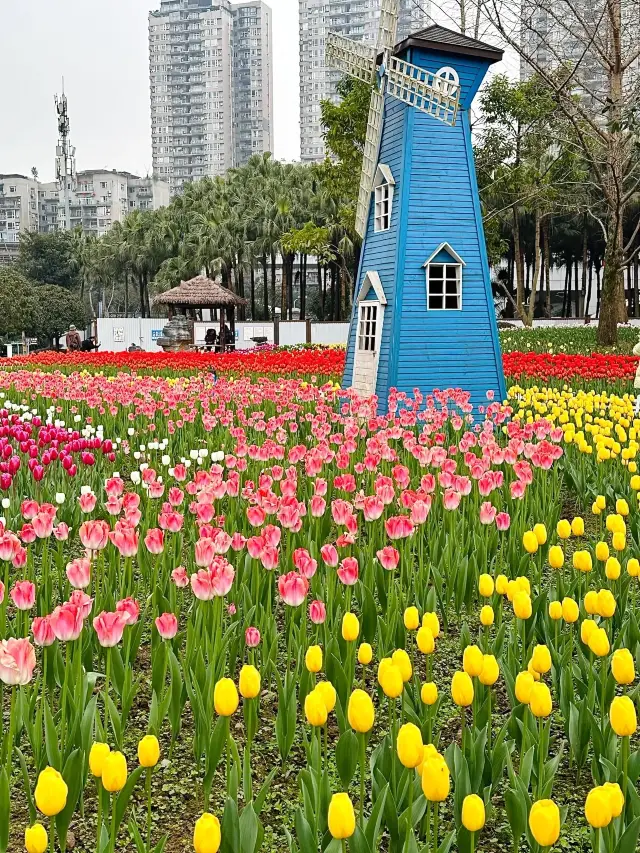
[[126, 294], [585, 256], [536, 269], [598, 287], [284, 290], [636, 307], [611, 288], [273, 283], [519, 265], [576, 288], [265, 284], [322, 287], [547, 268], [565, 292], [141, 289], [303, 287], [589, 288], [252, 285]]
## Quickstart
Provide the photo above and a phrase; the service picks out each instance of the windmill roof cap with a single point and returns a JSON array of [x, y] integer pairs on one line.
[[440, 38]]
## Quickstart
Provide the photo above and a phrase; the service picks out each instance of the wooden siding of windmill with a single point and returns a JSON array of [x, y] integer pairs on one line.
[[436, 202]]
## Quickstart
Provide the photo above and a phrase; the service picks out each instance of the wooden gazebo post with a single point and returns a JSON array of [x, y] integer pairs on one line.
[[232, 326], [221, 337]]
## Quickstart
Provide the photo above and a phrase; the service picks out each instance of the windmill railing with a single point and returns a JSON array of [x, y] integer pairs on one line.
[[351, 57], [424, 90]]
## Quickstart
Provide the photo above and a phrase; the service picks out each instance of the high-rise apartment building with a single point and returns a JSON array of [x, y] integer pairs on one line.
[[99, 198], [356, 19], [210, 65]]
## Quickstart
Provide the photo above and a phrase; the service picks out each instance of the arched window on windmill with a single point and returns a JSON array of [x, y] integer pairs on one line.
[[384, 186], [446, 80]]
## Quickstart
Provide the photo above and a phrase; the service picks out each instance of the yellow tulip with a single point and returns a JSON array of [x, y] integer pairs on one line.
[[563, 529], [556, 557], [148, 751], [623, 666], [341, 817], [522, 605], [485, 585], [622, 716], [391, 680], [597, 808], [365, 654], [633, 567], [591, 602], [206, 834], [313, 659], [582, 561], [601, 501], [606, 604], [328, 693], [350, 627], [51, 792], [425, 640], [36, 839], [540, 532], [616, 797], [97, 755], [524, 686], [618, 540], [622, 507], [530, 542], [577, 526], [501, 584], [599, 642], [555, 610], [225, 697], [409, 745], [473, 815], [570, 610], [541, 659], [401, 659], [249, 682], [436, 779], [544, 822], [431, 621], [612, 569], [602, 552], [487, 616], [114, 772], [411, 619], [472, 660], [315, 709], [360, 712], [540, 700], [462, 689], [490, 671], [429, 693]]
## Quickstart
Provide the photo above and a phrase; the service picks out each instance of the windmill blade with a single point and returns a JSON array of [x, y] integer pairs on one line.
[[388, 25], [369, 159], [351, 57], [423, 90]]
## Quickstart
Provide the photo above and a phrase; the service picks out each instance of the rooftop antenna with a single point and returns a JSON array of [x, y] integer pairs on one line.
[[65, 162]]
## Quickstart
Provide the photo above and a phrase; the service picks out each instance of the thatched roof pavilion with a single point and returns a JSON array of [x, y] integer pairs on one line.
[[190, 297]]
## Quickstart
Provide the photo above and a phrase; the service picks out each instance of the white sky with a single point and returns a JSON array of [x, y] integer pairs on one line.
[[101, 48]]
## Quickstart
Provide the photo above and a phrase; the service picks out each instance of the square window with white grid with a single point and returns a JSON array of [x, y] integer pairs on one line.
[[367, 327], [444, 287]]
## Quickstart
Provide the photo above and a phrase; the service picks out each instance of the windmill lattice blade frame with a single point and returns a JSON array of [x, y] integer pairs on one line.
[[369, 160], [351, 57], [388, 25], [423, 90]]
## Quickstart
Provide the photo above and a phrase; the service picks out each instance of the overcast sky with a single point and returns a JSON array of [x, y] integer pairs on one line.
[[101, 48]]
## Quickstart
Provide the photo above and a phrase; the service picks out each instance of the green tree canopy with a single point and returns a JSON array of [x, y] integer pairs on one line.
[[48, 258]]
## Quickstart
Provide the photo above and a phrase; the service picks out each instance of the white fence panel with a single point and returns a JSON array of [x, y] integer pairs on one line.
[[329, 333], [117, 334]]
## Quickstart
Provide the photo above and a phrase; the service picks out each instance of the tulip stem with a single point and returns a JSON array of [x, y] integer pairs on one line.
[[540, 758], [435, 826], [112, 843], [99, 819], [625, 773], [363, 760], [148, 791], [52, 834], [410, 810]]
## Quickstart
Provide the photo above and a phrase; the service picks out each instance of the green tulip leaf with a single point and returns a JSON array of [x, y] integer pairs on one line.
[[347, 752]]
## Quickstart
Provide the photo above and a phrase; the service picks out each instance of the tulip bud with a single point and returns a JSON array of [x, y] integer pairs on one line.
[[472, 659], [51, 792], [462, 689], [556, 557], [341, 817], [313, 659], [409, 745], [114, 772], [485, 585], [315, 709], [570, 610], [411, 618], [473, 815], [360, 712], [577, 526], [622, 716], [97, 755], [487, 616], [149, 751], [350, 627], [401, 659], [36, 839], [597, 808], [530, 542], [555, 610], [429, 693], [524, 686], [541, 659], [544, 822], [328, 693], [425, 640], [490, 671], [436, 780], [206, 834], [540, 700], [249, 682], [563, 529], [623, 666], [365, 654], [225, 697]]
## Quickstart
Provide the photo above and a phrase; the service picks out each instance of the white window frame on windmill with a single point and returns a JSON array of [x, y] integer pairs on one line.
[[442, 273], [446, 80], [383, 198], [367, 348]]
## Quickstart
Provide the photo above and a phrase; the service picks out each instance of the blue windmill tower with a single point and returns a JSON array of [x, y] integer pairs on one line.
[[423, 314]]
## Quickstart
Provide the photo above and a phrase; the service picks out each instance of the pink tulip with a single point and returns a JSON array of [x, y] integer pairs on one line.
[[167, 626], [317, 612], [125, 538], [269, 557], [222, 575], [272, 535], [130, 501], [372, 508], [388, 557], [27, 534], [204, 552], [29, 508], [503, 520], [42, 631], [79, 572], [113, 505], [487, 513], [329, 554], [237, 541], [82, 601], [255, 546], [202, 585], [66, 622], [252, 637], [110, 627], [293, 588], [20, 558], [114, 486], [88, 502], [304, 563], [255, 516], [17, 661], [94, 535], [179, 577], [420, 510], [154, 540], [156, 490], [451, 499], [130, 608], [398, 527], [42, 525], [23, 595], [171, 521], [317, 506], [61, 532], [176, 496], [518, 489], [348, 571], [9, 545]]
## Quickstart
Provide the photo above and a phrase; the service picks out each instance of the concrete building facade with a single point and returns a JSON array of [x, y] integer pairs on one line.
[[356, 19], [210, 67]]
